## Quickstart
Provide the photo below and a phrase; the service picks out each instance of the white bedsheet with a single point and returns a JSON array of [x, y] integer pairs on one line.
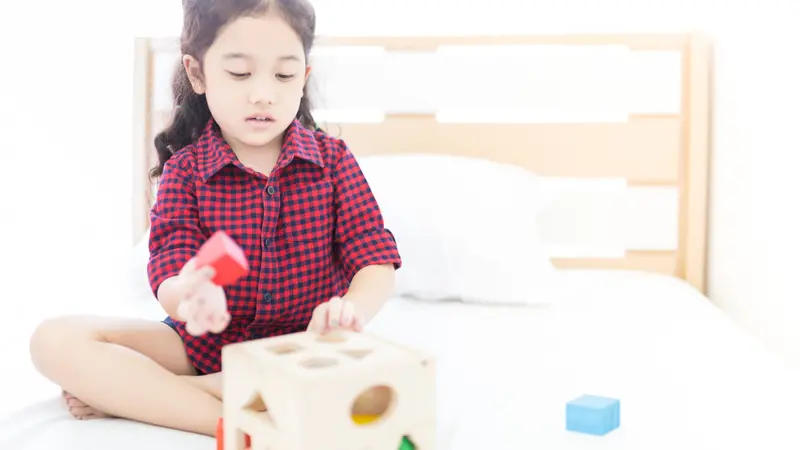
[[686, 376]]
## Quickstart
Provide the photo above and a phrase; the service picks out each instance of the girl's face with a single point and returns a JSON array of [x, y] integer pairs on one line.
[[253, 79]]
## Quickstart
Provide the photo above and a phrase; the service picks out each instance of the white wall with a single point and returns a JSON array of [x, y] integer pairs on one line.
[[65, 153], [755, 221], [65, 116]]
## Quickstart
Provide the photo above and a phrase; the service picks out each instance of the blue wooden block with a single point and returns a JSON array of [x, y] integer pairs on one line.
[[593, 415]]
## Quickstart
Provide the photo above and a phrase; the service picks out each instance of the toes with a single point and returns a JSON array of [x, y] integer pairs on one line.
[[86, 413], [80, 411], [74, 402]]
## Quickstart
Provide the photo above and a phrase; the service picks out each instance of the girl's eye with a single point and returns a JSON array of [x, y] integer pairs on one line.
[[237, 75], [284, 77]]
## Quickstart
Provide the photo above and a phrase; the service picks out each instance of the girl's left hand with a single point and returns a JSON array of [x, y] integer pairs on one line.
[[333, 314]]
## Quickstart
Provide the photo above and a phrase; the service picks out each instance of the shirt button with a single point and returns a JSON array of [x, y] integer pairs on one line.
[[267, 242], [271, 190]]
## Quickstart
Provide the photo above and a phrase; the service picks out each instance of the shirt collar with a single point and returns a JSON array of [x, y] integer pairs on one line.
[[214, 152]]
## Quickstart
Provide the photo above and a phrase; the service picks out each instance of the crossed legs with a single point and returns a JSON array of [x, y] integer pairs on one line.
[[129, 368]]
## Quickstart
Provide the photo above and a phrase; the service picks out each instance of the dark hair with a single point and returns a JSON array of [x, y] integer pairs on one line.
[[201, 23]]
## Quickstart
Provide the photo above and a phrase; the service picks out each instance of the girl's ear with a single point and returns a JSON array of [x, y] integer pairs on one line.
[[308, 73], [193, 71]]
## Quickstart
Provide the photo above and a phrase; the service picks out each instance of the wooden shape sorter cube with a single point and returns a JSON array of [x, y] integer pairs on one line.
[[305, 391]]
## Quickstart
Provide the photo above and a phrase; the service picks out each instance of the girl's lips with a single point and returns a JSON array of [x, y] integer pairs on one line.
[[263, 117], [260, 124], [261, 121]]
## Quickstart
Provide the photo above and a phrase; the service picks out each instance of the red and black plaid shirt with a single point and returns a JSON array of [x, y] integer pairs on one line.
[[306, 229]]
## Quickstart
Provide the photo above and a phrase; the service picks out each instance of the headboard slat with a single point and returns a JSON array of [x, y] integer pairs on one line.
[[430, 43], [643, 150]]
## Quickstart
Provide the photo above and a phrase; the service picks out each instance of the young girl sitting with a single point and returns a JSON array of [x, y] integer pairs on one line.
[[242, 154]]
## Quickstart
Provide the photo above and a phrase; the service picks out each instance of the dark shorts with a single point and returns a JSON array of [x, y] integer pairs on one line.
[[171, 323]]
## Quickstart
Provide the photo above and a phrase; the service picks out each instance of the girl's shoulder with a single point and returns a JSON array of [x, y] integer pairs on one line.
[[184, 159], [331, 148]]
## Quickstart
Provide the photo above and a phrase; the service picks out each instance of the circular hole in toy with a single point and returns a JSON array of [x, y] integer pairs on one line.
[[372, 405]]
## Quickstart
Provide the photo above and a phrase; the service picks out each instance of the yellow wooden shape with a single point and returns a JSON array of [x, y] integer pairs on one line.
[[364, 419]]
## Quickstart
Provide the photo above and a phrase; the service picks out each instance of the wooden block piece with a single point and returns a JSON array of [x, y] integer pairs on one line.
[[220, 436], [406, 444], [225, 256], [355, 390], [593, 414]]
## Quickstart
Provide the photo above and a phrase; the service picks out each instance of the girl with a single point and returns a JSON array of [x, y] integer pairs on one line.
[[243, 155]]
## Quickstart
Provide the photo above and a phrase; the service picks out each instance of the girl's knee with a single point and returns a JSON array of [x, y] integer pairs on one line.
[[55, 336]]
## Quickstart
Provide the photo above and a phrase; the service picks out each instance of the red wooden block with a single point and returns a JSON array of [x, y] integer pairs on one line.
[[221, 436], [227, 258]]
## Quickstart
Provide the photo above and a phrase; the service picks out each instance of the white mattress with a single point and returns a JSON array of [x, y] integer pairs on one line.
[[685, 375]]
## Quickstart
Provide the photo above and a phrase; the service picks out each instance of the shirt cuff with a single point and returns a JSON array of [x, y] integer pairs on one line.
[[166, 265], [371, 248]]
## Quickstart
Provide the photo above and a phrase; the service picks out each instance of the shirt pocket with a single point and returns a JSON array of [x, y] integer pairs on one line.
[[307, 213]]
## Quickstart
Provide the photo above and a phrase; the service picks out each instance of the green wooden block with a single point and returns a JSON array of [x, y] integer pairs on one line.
[[406, 444]]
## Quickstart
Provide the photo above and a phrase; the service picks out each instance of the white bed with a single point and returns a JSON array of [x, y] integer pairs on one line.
[[685, 375]]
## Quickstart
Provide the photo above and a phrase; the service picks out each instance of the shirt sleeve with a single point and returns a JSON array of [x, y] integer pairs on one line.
[[361, 238], [175, 234]]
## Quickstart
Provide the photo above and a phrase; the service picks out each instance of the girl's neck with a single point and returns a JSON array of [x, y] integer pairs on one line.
[[261, 159]]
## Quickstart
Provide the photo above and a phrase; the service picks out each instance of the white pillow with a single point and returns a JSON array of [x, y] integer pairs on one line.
[[466, 228]]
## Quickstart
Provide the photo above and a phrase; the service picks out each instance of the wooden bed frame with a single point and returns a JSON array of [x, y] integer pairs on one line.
[[675, 146]]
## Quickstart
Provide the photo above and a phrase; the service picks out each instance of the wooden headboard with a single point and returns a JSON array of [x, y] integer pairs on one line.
[[659, 145]]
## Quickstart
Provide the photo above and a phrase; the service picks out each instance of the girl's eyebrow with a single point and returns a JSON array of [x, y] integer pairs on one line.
[[235, 56], [245, 56]]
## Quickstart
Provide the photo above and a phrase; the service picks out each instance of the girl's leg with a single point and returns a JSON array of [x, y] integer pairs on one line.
[[211, 383], [128, 368]]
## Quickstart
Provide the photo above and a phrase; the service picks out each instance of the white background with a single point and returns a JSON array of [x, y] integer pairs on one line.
[[65, 144]]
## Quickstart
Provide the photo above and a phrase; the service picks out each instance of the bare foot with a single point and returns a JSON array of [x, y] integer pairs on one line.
[[80, 410]]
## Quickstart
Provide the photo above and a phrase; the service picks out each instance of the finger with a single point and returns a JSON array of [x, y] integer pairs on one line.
[[358, 323], [203, 320], [220, 323], [318, 318], [347, 315], [195, 325], [215, 322], [215, 325], [194, 328], [334, 315]]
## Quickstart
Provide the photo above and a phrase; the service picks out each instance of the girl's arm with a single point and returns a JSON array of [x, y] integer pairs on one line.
[[370, 289], [175, 234], [366, 249]]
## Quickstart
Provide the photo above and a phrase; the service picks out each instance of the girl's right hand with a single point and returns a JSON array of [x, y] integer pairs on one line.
[[203, 305]]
